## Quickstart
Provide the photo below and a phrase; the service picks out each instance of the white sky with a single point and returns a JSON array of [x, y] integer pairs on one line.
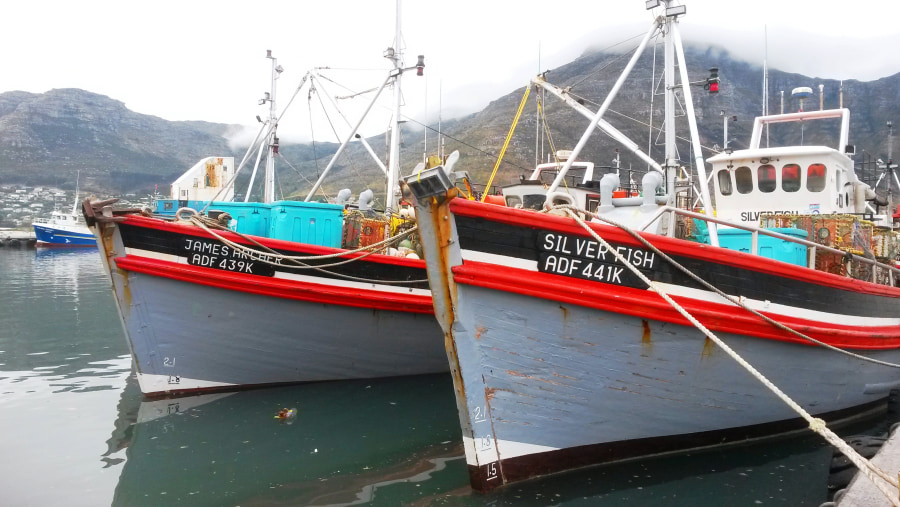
[[205, 60]]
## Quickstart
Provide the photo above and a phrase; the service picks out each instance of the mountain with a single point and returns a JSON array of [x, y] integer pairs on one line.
[[46, 138]]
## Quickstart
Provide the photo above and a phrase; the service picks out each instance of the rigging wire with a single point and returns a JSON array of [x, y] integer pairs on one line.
[[658, 130], [334, 130], [299, 173], [312, 133], [546, 129], [614, 60], [467, 145]]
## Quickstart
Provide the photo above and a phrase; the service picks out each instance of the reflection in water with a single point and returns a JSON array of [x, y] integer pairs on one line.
[[347, 441], [76, 430], [57, 311], [63, 363]]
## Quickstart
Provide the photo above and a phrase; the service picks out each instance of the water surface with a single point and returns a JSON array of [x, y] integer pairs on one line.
[[76, 430]]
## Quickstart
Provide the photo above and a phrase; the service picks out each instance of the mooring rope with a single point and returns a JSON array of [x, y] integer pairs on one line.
[[865, 466], [737, 300], [208, 224]]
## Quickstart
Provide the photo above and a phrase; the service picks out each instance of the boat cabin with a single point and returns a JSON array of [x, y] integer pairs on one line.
[[802, 180], [208, 179], [579, 183]]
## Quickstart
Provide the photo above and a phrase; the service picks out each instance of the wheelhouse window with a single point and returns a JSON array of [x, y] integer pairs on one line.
[[513, 201], [815, 177], [724, 182], [534, 201], [767, 178], [743, 180], [790, 178]]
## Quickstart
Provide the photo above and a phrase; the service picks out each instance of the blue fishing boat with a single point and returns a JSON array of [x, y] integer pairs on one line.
[[63, 229]]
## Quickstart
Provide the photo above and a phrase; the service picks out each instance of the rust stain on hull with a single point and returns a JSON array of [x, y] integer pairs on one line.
[[708, 347], [645, 333]]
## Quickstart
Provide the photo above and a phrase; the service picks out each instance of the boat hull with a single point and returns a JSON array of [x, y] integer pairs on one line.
[[555, 371], [192, 327], [49, 235]]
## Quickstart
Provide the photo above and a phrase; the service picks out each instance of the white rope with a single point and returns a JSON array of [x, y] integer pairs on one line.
[[205, 223], [737, 300], [818, 425]]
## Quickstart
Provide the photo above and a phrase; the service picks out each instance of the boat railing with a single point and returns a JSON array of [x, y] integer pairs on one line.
[[40, 220], [812, 248]]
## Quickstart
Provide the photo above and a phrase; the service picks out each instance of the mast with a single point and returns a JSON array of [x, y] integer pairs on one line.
[[269, 183], [75, 206], [890, 168], [765, 108], [671, 157], [672, 23], [538, 139], [394, 54], [393, 169], [598, 116]]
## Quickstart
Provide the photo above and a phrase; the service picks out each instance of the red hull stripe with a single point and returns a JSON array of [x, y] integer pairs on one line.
[[671, 246], [277, 287], [646, 304]]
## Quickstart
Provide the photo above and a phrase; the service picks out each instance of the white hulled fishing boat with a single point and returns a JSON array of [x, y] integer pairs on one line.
[[273, 292], [601, 329]]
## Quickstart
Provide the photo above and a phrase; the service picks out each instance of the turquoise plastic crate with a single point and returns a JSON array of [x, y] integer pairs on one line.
[[313, 223], [773, 248], [250, 217]]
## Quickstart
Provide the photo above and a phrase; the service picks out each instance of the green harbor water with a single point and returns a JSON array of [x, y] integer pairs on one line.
[[76, 430]]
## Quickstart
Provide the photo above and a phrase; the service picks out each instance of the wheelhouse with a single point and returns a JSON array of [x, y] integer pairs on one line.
[[801, 180], [580, 186]]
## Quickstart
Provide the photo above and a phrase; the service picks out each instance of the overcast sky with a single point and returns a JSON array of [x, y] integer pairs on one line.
[[205, 60]]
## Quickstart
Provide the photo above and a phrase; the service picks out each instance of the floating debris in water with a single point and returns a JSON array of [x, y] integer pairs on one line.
[[286, 414]]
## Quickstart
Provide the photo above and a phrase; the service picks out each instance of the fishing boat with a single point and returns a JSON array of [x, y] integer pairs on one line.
[[64, 229], [604, 328], [246, 294]]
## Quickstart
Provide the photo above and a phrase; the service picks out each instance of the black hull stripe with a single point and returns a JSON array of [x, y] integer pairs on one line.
[[522, 242], [168, 242]]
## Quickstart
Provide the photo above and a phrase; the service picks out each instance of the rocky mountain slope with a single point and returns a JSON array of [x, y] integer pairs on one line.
[[47, 138]]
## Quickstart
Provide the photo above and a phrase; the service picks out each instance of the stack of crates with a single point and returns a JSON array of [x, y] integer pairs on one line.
[[312, 223], [361, 230], [371, 231], [886, 245], [848, 233], [350, 231], [830, 262]]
